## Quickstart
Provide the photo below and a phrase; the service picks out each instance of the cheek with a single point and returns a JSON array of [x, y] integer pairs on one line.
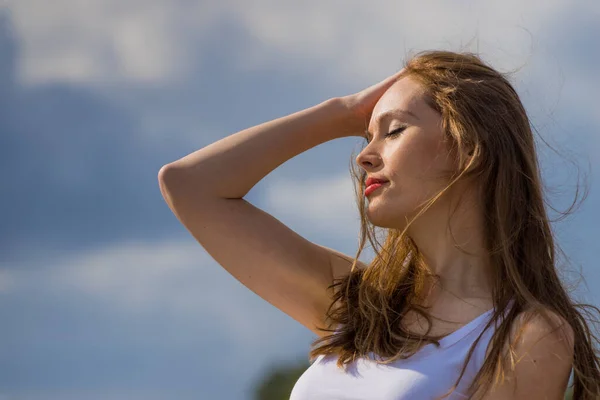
[[420, 169], [414, 159], [430, 159]]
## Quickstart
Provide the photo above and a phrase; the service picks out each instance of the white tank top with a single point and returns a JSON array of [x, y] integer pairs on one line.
[[429, 373]]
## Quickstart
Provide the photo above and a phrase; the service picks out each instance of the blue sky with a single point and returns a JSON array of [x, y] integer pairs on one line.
[[103, 294]]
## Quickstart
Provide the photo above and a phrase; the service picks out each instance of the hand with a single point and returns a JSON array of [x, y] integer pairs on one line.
[[360, 105]]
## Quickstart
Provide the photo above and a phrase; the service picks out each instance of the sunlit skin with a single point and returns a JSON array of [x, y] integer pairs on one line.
[[417, 164]]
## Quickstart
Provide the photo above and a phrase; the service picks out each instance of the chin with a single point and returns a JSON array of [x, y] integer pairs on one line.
[[378, 217]]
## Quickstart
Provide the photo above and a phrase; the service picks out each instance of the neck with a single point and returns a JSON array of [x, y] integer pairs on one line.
[[455, 251]]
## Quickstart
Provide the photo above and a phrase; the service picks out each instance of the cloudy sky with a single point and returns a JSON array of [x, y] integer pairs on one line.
[[103, 294]]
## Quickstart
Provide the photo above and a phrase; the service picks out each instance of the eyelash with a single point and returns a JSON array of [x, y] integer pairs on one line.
[[391, 133]]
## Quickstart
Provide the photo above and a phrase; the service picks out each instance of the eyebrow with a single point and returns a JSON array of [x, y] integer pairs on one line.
[[389, 113], [393, 112]]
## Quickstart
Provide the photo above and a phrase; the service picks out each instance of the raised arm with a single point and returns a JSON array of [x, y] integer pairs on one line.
[[205, 191]]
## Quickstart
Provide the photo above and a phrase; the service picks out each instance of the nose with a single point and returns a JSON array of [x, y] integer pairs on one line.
[[368, 159]]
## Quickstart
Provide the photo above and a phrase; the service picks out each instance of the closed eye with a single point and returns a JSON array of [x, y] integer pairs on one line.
[[391, 133], [396, 131]]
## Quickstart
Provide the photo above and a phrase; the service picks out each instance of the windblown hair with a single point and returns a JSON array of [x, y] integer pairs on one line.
[[491, 137]]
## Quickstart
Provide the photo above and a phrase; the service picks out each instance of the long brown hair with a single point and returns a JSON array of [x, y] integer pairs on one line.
[[492, 139]]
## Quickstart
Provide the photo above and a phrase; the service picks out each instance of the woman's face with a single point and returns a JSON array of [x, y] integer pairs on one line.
[[415, 161]]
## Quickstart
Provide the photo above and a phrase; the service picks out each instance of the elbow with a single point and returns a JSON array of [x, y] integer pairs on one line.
[[169, 175], [169, 178], [177, 185], [165, 172]]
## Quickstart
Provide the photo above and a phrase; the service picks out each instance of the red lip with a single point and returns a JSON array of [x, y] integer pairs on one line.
[[372, 180], [371, 188]]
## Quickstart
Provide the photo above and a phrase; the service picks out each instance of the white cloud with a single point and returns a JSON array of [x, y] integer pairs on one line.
[[157, 40], [326, 206], [138, 279], [95, 41], [137, 284], [365, 39]]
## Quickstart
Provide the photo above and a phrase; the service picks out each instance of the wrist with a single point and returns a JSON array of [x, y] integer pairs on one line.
[[347, 122]]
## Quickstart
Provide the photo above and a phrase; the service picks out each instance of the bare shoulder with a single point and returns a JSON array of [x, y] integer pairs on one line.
[[540, 360], [545, 327]]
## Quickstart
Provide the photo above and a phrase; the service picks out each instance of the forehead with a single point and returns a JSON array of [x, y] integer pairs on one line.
[[405, 94]]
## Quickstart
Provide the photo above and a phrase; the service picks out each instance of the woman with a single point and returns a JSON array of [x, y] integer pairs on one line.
[[463, 298]]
